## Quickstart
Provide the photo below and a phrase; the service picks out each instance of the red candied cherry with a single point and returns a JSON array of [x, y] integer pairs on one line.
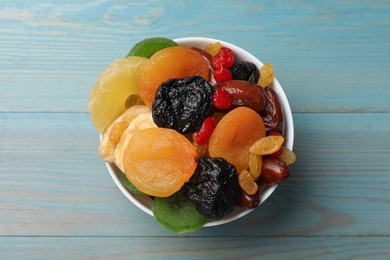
[[225, 58], [205, 131], [222, 74], [222, 99]]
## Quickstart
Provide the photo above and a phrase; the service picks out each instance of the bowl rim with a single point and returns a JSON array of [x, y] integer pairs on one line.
[[145, 203]]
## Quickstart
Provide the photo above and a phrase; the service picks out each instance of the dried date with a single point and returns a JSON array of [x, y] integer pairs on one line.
[[273, 171], [244, 94], [272, 114], [248, 201]]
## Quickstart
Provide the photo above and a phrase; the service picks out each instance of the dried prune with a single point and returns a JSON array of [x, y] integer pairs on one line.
[[272, 114], [213, 188], [245, 70], [183, 104]]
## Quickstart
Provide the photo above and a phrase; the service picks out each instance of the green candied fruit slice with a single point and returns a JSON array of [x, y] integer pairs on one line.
[[149, 46], [177, 213], [128, 185]]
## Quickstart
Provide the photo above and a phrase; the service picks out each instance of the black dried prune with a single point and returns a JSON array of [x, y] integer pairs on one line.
[[245, 70], [183, 104], [213, 188]]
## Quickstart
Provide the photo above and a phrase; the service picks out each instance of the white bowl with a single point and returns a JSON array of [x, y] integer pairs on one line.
[[145, 203]]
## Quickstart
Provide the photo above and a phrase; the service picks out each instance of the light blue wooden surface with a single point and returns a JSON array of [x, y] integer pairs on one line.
[[57, 200]]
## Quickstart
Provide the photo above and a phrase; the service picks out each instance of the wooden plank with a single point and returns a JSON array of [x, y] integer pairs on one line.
[[331, 56], [193, 248], [53, 184]]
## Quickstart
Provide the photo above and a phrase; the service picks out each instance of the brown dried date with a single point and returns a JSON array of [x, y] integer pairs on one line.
[[248, 201], [272, 114], [273, 171], [244, 94]]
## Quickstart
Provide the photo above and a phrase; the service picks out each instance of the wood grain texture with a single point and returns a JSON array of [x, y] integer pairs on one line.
[[57, 199], [329, 56], [53, 183], [194, 248]]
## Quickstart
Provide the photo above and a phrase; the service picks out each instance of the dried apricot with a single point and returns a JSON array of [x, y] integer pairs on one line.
[[169, 63], [111, 139], [158, 161], [234, 134]]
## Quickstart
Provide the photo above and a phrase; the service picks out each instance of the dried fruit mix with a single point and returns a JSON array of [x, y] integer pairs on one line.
[[196, 129]]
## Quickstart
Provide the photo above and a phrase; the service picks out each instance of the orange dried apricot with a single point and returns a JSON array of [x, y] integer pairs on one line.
[[234, 134], [158, 161], [169, 63]]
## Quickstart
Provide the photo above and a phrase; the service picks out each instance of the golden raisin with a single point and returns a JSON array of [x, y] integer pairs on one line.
[[255, 163], [267, 145], [247, 183], [287, 156], [266, 75], [117, 131], [213, 48]]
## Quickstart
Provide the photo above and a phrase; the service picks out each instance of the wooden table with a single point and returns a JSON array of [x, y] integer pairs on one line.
[[57, 199]]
